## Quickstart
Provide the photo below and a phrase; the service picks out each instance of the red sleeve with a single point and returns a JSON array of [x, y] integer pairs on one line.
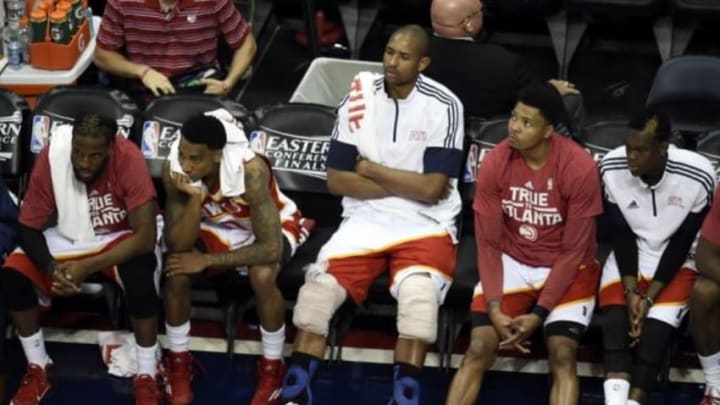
[[585, 195], [232, 24], [39, 201], [111, 34], [489, 228], [584, 204], [578, 234], [711, 226], [134, 177]]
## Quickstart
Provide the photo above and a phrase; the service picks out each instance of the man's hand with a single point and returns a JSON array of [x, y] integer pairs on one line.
[[216, 87], [186, 263], [362, 166], [183, 185], [564, 87], [523, 328], [68, 276], [157, 82], [502, 324], [638, 314]]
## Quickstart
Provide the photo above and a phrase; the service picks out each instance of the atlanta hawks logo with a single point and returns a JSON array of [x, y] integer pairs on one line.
[[528, 232]]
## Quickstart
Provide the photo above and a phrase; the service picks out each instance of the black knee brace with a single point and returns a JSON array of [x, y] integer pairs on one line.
[[650, 353], [137, 276], [616, 342], [18, 291]]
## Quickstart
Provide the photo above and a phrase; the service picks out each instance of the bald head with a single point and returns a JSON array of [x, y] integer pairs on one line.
[[456, 18], [416, 36]]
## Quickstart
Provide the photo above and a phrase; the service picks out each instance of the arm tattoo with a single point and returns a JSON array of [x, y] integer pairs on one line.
[[267, 248]]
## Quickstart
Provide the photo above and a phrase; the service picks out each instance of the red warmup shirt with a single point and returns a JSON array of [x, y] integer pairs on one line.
[[711, 225], [541, 218], [124, 185], [173, 42]]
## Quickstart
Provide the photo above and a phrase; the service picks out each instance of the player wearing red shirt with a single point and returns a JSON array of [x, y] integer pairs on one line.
[[121, 200], [536, 200], [211, 232], [704, 303]]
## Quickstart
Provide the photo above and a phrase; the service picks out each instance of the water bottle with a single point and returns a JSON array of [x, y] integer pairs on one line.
[[15, 55], [13, 47], [24, 38]]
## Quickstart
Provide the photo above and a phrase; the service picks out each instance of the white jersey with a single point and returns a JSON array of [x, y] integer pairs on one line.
[[421, 133], [654, 213]]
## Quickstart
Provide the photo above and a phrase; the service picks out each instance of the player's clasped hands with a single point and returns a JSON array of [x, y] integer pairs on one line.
[[67, 278], [514, 332]]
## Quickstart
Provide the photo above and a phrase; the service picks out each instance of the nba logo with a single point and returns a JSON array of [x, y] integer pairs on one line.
[[150, 139], [471, 165], [40, 132], [258, 139]]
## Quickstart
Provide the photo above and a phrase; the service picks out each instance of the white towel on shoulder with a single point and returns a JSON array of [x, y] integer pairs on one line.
[[361, 115], [71, 200], [235, 153]]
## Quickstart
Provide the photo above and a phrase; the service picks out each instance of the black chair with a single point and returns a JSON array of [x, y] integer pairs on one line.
[[284, 129], [684, 19], [162, 120], [61, 105], [481, 137], [604, 136], [567, 28], [688, 89], [14, 136]]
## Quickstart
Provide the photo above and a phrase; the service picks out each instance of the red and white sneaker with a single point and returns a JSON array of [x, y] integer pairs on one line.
[[178, 378], [270, 374], [712, 396], [146, 389], [34, 385]]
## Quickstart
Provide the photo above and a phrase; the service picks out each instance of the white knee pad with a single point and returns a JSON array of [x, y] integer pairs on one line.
[[418, 308], [318, 299]]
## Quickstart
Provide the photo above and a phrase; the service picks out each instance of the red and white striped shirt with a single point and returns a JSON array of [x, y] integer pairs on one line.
[[173, 42]]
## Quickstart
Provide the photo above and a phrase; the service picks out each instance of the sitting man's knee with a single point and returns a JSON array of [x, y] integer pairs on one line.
[[562, 353], [263, 277], [418, 308], [479, 352], [705, 292], [318, 299]]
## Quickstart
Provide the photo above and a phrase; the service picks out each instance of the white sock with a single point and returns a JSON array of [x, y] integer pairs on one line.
[[34, 348], [178, 337], [616, 391], [273, 343], [633, 402], [711, 368], [146, 359]]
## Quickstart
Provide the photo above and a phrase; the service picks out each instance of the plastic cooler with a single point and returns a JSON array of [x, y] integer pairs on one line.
[[327, 80], [53, 56]]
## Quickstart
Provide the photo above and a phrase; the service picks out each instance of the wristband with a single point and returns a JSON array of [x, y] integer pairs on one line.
[[649, 300], [541, 312]]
